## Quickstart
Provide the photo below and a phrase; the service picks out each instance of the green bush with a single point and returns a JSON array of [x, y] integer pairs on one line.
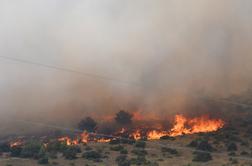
[[202, 156], [205, 146]]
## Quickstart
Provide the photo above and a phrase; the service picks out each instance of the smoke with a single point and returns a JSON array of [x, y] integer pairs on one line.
[[162, 51]]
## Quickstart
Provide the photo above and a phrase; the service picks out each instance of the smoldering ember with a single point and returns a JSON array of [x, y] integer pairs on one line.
[[126, 83]]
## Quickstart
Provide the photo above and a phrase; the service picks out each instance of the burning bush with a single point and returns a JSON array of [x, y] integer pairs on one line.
[[123, 118], [87, 124]]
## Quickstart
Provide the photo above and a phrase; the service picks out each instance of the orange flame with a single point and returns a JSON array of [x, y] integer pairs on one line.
[[196, 125]]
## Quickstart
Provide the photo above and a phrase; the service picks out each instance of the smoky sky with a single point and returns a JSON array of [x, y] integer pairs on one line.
[[159, 50]]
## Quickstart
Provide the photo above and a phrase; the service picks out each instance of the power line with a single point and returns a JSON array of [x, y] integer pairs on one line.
[[69, 70], [91, 75]]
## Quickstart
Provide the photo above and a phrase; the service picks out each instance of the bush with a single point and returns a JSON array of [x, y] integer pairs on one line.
[[232, 147], [4, 147], [124, 151], [122, 160], [43, 160], [117, 148], [31, 149], [16, 151], [169, 150], [56, 146], [123, 117], [87, 124], [139, 152], [70, 153], [114, 141], [166, 137], [92, 155], [140, 160], [140, 144], [205, 146], [202, 157]]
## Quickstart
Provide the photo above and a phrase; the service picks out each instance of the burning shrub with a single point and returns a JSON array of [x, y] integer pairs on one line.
[[202, 156], [140, 144], [92, 155], [123, 117], [87, 124]]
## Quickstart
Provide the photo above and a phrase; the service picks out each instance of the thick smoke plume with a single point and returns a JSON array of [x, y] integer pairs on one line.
[[154, 55]]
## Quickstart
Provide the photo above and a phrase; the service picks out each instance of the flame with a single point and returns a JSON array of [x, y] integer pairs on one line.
[[16, 143], [136, 135], [184, 126]]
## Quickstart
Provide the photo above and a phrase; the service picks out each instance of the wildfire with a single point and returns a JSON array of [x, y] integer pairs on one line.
[[182, 126]]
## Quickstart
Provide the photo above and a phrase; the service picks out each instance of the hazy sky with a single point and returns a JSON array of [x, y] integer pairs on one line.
[[169, 47]]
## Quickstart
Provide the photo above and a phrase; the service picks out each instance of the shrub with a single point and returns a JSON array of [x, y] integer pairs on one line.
[[115, 141], [16, 151], [92, 155], [139, 152], [232, 147], [166, 137], [202, 157], [70, 153], [123, 117], [122, 160], [205, 146], [31, 149], [4, 147], [124, 151], [117, 148], [244, 153], [169, 150], [56, 146], [140, 144], [43, 160], [87, 124], [140, 160]]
